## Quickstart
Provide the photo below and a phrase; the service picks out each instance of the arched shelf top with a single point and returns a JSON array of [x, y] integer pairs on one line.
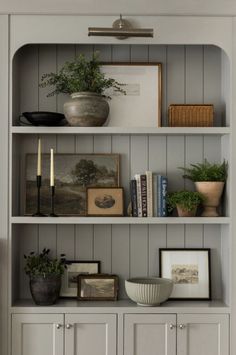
[[73, 29]]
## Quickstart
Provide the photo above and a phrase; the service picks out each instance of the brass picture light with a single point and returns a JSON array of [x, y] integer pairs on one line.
[[120, 29]]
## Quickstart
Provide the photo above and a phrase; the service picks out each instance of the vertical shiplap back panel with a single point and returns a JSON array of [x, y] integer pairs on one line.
[[212, 240], [103, 246], [175, 75], [212, 81], [194, 91], [84, 248], [47, 64], [120, 255], [66, 241], [29, 78]]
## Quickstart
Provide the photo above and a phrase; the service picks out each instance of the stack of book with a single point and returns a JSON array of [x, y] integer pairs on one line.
[[148, 195]]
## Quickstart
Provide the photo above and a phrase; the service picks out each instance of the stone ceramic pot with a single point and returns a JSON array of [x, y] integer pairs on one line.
[[212, 191], [184, 213], [45, 291], [86, 109]]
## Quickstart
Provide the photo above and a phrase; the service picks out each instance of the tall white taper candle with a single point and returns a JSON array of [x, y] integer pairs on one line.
[[52, 169], [39, 166]]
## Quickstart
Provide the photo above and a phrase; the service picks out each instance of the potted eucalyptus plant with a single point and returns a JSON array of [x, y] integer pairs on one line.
[[45, 276], [209, 179], [186, 202], [86, 83]]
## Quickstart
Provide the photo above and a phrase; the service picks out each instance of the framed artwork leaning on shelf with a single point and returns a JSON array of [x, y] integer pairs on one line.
[[100, 287], [190, 271], [72, 270], [141, 105], [73, 174], [105, 201]]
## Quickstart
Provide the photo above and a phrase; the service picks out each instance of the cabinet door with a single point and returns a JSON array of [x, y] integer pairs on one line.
[[37, 334], [203, 334], [90, 334], [150, 334]]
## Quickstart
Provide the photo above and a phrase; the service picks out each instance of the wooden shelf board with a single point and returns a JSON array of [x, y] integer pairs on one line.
[[120, 220], [121, 306], [122, 130]]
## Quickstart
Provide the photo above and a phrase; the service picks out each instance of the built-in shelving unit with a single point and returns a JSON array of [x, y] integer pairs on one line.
[[126, 246]]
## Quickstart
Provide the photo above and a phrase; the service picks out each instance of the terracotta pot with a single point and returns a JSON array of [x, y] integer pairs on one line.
[[86, 109], [184, 213], [212, 191]]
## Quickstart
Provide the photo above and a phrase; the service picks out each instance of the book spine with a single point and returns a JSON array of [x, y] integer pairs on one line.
[[155, 194], [164, 184], [149, 194], [133, 194], [159, 196], [138, 189], [143, 180]]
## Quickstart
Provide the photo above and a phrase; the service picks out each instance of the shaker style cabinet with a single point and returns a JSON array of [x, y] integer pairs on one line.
[[50, 334], [90, 334], [185, 334], [152, 334], [202, 334], [37, 334]]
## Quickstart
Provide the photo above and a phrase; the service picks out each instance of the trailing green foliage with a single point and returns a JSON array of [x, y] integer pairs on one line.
[[187, 200], [42, 265], [206, 171], [80, 75]]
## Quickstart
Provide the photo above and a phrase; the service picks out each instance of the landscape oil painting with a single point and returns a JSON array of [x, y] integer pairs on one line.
[[73, 174]]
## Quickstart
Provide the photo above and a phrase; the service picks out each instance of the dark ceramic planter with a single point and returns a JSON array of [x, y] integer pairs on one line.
[[45, 290]]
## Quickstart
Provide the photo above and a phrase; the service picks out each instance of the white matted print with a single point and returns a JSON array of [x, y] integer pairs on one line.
[[73, 269], [190, 271], [141, 106]]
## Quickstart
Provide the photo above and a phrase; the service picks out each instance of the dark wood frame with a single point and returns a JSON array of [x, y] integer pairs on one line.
[[68, 262], [159, 99], [98, 277], [209, 271], [104, 188]]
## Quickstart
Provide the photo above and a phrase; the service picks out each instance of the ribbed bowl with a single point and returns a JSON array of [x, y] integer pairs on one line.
[[148, 291]]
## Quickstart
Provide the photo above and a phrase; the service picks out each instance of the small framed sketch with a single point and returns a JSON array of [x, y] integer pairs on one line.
[[101, 287], [105, 201], [73, 269], [190, 271]]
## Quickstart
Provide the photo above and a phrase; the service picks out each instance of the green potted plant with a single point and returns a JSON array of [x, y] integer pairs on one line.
[[209, 179], [45, 276], [186, 202], [85, 82]]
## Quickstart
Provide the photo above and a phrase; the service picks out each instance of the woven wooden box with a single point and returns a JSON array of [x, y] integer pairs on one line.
[[190, 115]]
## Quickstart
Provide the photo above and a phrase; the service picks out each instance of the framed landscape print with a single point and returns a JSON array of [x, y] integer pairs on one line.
[[73, 269], [101, 287], [190, 271], [105, 201], [141, 106], [73, 174]]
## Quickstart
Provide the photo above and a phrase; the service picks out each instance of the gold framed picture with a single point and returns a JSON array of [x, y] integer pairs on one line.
[[105, 201], [97, 287]]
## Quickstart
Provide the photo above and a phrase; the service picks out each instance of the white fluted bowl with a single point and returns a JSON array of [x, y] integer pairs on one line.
[[148, 291]]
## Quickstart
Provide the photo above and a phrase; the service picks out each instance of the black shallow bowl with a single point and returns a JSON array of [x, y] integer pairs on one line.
[[44, 118]]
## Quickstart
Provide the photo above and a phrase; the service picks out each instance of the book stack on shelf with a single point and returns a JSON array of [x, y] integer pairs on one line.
[[148, 195]]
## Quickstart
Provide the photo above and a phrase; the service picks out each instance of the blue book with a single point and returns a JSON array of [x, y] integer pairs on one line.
[[162, 196]]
